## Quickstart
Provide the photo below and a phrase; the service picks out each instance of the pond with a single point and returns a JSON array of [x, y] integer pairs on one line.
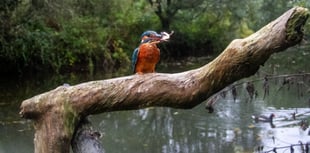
[[229, 128]]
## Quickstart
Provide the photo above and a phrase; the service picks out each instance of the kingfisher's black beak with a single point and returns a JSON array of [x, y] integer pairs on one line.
[[163, 36], [156, 36], [151, 36]]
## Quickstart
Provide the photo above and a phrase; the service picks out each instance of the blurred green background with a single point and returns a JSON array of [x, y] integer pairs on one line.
[[64, 36]]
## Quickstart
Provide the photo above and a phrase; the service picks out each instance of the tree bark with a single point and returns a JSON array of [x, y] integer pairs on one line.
[[56, 113], [85, 139]]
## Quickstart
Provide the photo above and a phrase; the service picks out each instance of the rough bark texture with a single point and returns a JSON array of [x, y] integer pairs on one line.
[[57, 112], [85, 139]]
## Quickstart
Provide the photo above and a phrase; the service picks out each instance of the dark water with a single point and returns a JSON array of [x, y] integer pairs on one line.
[[165, 130]]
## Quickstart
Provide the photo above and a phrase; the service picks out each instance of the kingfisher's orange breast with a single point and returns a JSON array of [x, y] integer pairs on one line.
[[148, 57]]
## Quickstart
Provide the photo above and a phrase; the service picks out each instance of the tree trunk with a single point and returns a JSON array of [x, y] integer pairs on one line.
[[85, 139], [57, 112]]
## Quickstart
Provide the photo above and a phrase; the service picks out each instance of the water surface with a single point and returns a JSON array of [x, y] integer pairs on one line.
[[166, 130]]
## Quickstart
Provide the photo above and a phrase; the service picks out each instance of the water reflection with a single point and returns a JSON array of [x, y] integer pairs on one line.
[[229, 129], [172, 130], [287, 129]]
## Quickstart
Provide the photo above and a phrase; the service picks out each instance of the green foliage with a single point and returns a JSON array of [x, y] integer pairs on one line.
[[67, 35]]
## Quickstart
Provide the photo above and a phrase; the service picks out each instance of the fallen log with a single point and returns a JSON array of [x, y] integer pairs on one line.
[[57, 113]]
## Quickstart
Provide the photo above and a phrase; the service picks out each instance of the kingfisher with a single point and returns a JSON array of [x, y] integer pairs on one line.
[[147, 55]]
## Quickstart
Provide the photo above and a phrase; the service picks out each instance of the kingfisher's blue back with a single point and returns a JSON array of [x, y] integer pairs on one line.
[[134, 59]]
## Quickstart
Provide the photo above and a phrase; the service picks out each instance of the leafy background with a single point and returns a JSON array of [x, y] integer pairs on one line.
[[85, 35]]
